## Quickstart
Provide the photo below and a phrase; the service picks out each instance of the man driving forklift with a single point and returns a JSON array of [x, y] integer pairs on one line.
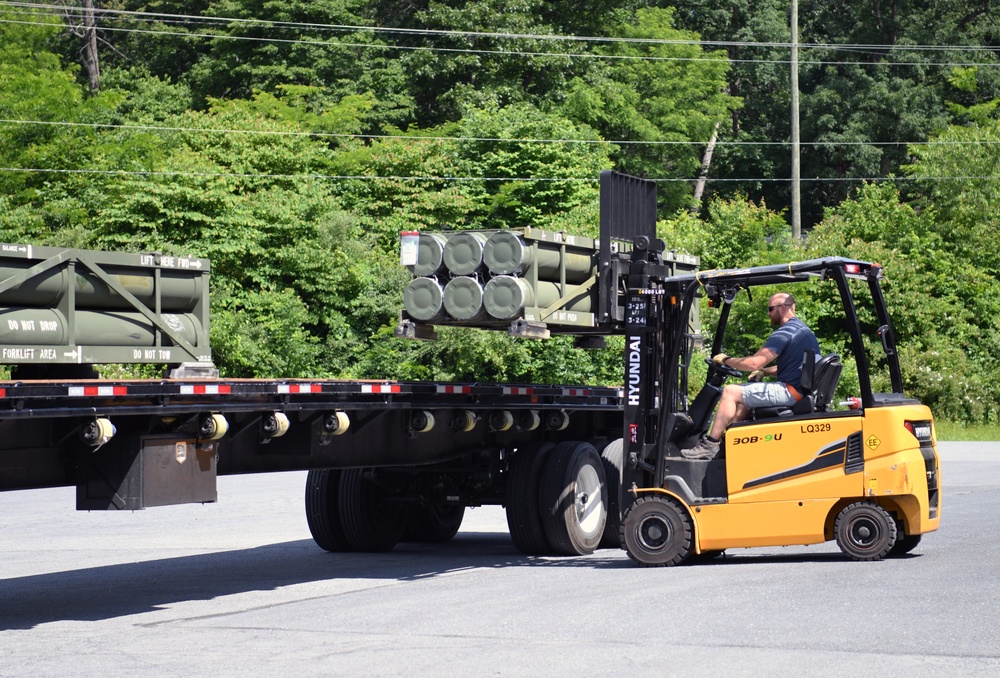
[[785, 347]]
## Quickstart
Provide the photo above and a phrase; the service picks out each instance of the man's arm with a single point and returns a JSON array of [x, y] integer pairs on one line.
[[757, 361]]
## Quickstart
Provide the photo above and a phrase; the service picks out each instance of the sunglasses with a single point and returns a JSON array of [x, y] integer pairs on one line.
[[771, 308]]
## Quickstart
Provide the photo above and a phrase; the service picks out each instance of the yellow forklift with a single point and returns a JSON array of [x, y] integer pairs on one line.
[[863, 472]]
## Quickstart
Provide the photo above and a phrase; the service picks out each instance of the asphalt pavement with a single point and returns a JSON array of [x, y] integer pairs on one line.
[[239, 588]]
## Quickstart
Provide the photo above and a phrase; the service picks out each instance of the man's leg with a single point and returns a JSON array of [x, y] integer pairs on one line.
[[730, 409]]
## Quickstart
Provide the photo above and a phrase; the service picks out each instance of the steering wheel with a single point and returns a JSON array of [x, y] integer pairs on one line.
[[724, 369]]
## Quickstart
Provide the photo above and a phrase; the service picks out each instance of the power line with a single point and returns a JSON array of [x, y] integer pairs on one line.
[[178, 18], [417, 178], [404, 137], [582, 55]]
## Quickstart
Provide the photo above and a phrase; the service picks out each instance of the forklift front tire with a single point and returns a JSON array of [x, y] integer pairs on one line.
[[657, 531]]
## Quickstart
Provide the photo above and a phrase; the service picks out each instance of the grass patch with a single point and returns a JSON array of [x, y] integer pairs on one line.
[[947, 430]]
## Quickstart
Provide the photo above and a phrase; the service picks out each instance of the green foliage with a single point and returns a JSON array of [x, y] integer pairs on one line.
[[262, 334], [958, 180], [857, 107], [737, 232], [945, 310], [666, 91], [292, 155]]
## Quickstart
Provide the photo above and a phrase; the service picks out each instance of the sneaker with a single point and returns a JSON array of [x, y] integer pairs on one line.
[[705, 449]]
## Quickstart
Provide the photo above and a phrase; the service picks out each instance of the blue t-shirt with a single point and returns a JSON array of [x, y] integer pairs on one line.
[[790, 342]]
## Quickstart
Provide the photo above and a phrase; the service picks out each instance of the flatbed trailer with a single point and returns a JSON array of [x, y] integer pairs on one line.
[[132, 444]]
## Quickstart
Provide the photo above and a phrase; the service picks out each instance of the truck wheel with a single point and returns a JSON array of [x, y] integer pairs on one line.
[[611, 455], [865, 531], [573, 497], [657, 531], [524, 520], [904, 544], [323, 510], [434, 524], [372, 522]]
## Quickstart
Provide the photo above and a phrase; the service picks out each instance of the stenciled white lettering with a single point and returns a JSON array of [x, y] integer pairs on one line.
[[634, 361]]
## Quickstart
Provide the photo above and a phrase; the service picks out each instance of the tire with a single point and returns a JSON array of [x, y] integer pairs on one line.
[[657, 531], [865, 531], [904, 544], [434, 523], [323, 510], [611, 455], [573, 497], [524, 519], [371, 521]]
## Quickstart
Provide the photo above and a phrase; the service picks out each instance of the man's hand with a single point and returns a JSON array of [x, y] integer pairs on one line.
[[756, 375], [719, 358]]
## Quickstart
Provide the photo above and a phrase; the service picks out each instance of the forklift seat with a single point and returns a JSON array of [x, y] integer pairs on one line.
[[825, 377], [819, 382]]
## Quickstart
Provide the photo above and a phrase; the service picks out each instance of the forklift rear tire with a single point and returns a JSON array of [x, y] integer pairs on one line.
[[323, 510], [573, 497], [657, 531], [865, 531], [372, 521]]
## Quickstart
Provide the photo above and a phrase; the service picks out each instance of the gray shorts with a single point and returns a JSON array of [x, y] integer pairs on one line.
[[766, 394]]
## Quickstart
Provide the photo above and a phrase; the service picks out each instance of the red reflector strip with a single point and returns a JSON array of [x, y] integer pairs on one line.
[[518, 390], [454, 389], [576, 391], [300, 388], [380, 388], [205, 389], [3, 393], [97, 390]]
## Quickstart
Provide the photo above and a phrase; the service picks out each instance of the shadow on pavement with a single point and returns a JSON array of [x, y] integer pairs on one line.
[[109, 591]]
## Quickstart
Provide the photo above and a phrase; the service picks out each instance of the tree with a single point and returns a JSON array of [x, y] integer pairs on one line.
[[667, 94], [956, 176], [866, 87]]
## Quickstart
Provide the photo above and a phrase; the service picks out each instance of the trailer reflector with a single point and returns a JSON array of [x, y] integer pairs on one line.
[[380, 388], [454, 389], [300, 388], [97, 390], [205, 389]]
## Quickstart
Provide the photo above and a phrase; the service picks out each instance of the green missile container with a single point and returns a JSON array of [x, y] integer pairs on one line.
[[49, 327], [423, 300], [179, 291], [508, 253], [463, 254], [463, 299], [505, 297], [430, 254], [62, 306]]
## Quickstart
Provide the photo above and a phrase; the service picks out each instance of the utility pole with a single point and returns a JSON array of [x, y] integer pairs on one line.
[[796, 170]]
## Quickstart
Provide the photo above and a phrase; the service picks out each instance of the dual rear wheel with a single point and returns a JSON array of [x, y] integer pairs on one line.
[[559, 497], [347, 510]]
